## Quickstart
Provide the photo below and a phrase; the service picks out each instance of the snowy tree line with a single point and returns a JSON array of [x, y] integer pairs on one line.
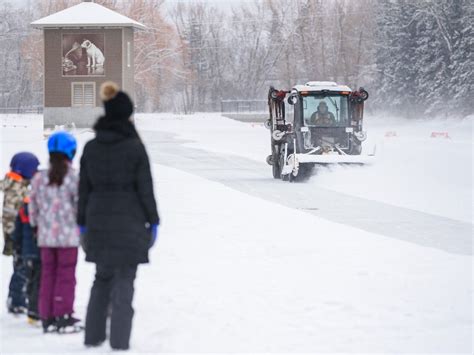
[[17, 89], [423, 53], [414, 56], [238, 54]]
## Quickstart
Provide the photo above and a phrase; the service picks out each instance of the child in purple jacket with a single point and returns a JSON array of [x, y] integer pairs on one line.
[[53, 210]]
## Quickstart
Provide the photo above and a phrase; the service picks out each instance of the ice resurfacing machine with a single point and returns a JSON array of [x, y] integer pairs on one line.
[[326, 128]]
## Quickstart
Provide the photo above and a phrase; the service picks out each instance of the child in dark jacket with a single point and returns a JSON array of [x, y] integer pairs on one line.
[[25, 246], [15, 188]]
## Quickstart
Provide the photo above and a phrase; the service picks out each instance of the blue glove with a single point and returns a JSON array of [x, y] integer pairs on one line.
[[154, 234], [83, 238], [82, 230]]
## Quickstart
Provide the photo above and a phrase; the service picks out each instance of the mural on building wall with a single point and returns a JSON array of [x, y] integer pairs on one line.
[[83, 54]]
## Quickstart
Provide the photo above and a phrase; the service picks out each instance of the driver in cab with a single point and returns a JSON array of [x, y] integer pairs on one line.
[[322, 116]]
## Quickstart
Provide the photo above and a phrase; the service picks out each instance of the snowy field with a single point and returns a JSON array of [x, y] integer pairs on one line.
[[224, 279], [413, 170]]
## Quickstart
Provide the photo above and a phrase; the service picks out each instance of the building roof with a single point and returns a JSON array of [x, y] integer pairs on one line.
[[320, 86], [87, 14]]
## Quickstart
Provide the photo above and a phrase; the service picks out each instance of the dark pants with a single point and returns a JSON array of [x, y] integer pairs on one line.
[[16, 293], [33, 274], [8, 246], [113, 286], [58, 282]]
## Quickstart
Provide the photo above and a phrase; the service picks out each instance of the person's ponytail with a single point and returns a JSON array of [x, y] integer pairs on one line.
[[58, 168]]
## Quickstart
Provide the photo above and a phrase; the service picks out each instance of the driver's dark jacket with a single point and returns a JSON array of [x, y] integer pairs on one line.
[[319, 118]]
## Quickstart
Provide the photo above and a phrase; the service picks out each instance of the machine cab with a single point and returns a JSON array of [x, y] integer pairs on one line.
[[323, 117], [322, 104]]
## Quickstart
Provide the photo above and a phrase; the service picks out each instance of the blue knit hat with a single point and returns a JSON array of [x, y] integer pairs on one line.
[[25, 164]]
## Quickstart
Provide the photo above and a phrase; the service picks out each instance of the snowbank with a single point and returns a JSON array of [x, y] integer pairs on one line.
[[25, 133]]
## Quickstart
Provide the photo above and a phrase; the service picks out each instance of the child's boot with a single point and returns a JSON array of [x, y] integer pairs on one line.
[[68, 324], [33, 319], [15, 310], [49, 325]]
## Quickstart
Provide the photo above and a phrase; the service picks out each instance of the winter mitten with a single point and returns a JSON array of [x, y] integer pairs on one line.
[[83, 237], [154, 234]]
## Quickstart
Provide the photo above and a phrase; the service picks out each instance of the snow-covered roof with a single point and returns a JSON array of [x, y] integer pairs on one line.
[[87, 14], [321, 85]]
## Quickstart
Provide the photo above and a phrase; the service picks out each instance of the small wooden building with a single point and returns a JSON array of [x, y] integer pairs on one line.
[[84, 45]]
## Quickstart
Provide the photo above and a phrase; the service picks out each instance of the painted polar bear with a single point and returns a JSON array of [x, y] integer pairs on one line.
[[95, 57]]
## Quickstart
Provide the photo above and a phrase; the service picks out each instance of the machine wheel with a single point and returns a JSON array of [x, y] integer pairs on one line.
[[281, 163], [276, 170]]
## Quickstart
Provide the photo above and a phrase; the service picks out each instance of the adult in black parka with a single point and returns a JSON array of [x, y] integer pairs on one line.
[[116, 213]]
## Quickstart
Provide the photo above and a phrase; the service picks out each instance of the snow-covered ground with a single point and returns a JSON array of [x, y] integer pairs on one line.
[[413, 170], [224, 279]]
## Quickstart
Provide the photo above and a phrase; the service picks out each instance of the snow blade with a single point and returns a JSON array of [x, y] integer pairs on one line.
[[335, 159]]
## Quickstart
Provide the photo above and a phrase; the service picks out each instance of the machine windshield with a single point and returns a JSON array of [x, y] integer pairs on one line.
[[325, 111]]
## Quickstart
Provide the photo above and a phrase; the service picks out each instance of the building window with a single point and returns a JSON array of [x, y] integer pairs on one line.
[[83, 95]]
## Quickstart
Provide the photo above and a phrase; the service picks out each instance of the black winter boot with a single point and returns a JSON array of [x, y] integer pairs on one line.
[[94, 345], [68, 324], [49, 325]]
